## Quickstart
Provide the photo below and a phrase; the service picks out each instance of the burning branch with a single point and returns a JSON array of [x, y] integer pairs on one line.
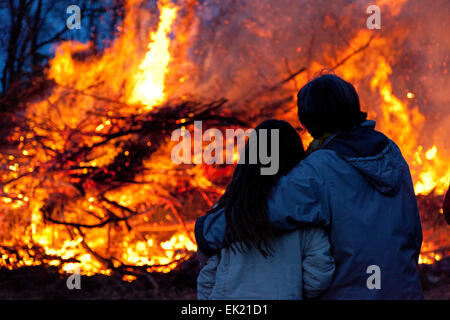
[[353, 53], [78, 192]]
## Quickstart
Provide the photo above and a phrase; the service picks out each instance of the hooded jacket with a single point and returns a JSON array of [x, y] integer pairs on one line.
[[358, 186]]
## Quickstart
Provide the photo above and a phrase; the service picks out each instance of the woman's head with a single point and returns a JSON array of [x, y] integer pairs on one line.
[[245, 198], [328, 104]]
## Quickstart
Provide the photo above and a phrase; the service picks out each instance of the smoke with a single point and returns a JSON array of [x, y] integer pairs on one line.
[[242, 47], [427, 73]]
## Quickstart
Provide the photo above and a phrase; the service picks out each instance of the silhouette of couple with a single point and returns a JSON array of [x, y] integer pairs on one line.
[[338, 221]]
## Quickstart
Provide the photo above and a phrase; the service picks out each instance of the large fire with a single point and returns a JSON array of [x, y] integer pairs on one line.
[[54, 210], [149, 87]]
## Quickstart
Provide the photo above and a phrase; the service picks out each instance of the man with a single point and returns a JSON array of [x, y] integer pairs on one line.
[[357, 184]]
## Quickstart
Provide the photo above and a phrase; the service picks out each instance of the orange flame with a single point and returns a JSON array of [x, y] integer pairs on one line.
[[149, 88]]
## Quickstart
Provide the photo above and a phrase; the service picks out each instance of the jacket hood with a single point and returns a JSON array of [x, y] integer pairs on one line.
[[376, 157]]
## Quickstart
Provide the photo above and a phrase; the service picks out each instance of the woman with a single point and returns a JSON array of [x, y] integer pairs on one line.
[[256, 263]]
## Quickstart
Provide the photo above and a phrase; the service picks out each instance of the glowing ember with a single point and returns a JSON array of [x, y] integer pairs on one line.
[[430, 154]]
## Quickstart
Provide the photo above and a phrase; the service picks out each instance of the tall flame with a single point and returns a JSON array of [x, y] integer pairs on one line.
[[149, 88]]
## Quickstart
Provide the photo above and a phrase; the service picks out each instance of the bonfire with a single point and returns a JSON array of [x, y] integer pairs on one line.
[[87, 179]]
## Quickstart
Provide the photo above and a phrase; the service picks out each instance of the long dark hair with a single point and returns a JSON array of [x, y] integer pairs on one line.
[[245, 198]]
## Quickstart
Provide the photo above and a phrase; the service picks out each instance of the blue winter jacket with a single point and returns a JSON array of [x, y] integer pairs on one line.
[[359, 186]]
